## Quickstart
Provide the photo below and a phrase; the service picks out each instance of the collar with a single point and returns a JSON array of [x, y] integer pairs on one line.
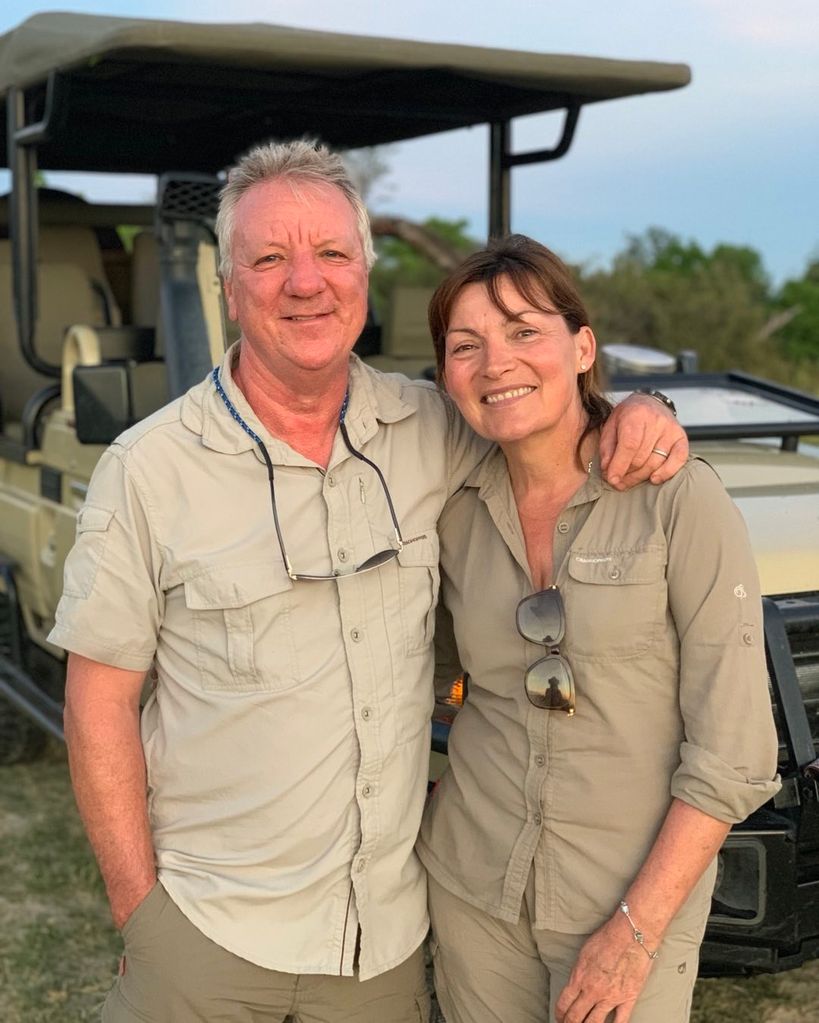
[[373, 398], [490, 477]]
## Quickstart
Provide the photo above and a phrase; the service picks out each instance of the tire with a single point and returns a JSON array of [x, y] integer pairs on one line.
[[20, 739]]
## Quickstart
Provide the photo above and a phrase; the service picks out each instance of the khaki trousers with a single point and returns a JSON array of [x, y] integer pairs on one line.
[[489, 971], [174, 974]]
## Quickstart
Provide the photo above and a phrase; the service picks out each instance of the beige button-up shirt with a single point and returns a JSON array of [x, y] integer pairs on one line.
[[664, 636], [287, 736]]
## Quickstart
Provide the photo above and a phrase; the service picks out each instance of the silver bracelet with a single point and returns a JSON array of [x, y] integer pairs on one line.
[[639, 937]]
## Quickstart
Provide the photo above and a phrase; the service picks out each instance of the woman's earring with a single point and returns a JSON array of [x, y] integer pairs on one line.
[[582, 366]]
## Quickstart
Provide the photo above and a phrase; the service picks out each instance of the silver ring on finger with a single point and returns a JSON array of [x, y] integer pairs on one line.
[[660, 452]]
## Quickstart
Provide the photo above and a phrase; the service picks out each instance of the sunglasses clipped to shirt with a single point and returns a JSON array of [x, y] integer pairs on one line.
[[549, 683], [376, 560]]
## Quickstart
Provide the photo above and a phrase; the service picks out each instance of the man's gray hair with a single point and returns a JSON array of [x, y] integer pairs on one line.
[[301, 161]]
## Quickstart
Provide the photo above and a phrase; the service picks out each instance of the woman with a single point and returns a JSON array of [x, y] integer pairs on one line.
[[618, 719]]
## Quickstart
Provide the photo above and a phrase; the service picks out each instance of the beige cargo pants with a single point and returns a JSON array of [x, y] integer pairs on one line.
[[490, 971], [174, 974]]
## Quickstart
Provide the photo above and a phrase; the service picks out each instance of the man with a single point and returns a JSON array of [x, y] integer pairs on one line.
[[264, 549]]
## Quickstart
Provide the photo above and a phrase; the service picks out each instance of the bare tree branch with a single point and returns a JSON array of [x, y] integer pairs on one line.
[[425, 241], [778, 321]]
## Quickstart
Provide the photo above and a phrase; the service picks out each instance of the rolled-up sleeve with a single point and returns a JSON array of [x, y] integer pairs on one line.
[[111, 606], [728, 756]]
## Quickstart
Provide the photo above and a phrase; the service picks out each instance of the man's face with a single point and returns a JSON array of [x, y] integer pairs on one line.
[[299, 284]]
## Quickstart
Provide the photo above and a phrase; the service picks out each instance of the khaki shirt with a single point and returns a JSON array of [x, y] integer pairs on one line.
[[287, 736], [664, 636]]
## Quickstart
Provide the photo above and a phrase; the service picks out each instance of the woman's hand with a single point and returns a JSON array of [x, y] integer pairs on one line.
[[610, 972], [636, 429]]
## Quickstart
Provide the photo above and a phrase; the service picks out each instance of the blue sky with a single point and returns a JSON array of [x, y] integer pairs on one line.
[[733, 157]]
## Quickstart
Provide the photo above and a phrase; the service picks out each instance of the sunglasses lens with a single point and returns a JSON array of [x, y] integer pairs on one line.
[[540, 618], [377, 560], [550, 685]]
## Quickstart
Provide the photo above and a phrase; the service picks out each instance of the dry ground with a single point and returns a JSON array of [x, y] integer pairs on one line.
[[58, 950]]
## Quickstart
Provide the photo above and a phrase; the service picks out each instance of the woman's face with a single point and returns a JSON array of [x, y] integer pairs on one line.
[[513, 377]]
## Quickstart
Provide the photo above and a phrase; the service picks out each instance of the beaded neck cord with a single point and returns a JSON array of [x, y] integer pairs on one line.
[[236, 415]]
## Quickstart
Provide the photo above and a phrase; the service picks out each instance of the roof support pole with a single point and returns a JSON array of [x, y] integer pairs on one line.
[[23, 228], [500, 133], [501, 161], [22, 151]]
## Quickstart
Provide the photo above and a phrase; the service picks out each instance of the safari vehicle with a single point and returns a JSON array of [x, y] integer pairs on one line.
[[94, 337]]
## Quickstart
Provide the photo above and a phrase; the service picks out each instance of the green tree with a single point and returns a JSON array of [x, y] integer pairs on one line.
[[670, 294], [799, 301]]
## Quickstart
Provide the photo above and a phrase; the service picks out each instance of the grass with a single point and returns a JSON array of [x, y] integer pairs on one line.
[[59, 950], [58, 947]]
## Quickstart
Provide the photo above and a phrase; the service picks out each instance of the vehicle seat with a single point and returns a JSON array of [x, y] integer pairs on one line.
[[79, 245], [406, 346], [70, 299], [71, 288]]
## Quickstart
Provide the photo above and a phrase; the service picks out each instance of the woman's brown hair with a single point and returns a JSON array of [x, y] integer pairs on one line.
[[545, 281]]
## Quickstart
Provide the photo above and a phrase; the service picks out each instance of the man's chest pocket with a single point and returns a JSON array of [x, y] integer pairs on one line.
[[615, 602], [243, 633], [418, 585]]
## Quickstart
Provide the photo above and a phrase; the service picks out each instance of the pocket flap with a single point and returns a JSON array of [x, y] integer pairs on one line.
[[93, 519], [420, 551], [235, 585], [618, 568]]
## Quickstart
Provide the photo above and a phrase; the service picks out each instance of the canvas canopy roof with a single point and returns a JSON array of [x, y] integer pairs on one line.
[[147, 96]]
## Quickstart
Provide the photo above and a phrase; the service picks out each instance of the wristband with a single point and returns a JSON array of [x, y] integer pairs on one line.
[[658, 396]]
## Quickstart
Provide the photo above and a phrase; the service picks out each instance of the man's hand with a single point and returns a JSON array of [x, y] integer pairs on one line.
[[608, 976], [125, 901], [637, 428]]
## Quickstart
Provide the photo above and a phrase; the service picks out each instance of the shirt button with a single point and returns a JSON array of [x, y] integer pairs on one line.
[[563, 527], [366, 713], [538, 820], [342, 554], [356, 635], [540, 760], [361, 866], [367, 791], [331, 481], [748, 638], [614, 573]]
